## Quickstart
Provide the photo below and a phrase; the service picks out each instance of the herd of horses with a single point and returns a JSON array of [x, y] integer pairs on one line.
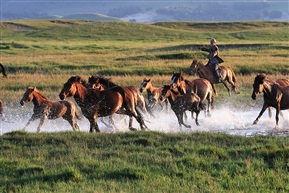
[[100, 97]]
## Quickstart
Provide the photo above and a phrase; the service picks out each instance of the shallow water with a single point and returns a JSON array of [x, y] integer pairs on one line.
[[225, 118]]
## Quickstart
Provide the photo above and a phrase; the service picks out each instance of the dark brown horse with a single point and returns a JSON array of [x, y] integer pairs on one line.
[[274, 95], [95, 103], [3, 70], [281, 82], [181, 103], [153, 94], [206, 71], [45, 108], [202, 87]]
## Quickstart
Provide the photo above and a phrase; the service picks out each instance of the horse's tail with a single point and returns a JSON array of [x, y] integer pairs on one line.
[[213, 87], [3, 70], [234, 77]]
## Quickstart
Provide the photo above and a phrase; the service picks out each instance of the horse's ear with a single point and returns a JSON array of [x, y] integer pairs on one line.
[[148, 80], [181, 73], [78, 79], [34, 88]]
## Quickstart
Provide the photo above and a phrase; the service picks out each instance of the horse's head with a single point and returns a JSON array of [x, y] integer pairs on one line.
[[28, 95], [145, 84], [194, 67], [93, 82], [258, 85], [165, 92], [176, 79], [69, 88], [178, 82]]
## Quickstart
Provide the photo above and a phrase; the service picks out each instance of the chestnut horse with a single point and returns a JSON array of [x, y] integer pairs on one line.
[[274, 95], [202, 87], [205, 71], [101, 83], [45, 108], [181, 103], [153, 94], [95, 103]]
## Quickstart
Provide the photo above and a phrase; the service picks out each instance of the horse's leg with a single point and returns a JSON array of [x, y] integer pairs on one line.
[[232, 83], [214, 89], [140, 120], [93, 124], [197, 115], [130, 124], [42, 119], [180, 115], [265, 106], [33, 117], [227, 87], [72, 122], [277, 113], [269, 112], [106, 124]]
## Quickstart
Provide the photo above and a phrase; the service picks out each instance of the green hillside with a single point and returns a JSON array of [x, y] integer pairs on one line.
[[125, 31]]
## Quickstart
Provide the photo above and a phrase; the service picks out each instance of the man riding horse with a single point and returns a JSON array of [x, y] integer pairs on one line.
[[214, 58]]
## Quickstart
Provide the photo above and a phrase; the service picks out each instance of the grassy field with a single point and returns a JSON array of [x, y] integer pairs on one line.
[[45, 54]]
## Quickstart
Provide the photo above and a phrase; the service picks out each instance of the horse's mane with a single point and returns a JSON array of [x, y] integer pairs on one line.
[[104, 81], [38, 92], [262, 77], [78, 79]]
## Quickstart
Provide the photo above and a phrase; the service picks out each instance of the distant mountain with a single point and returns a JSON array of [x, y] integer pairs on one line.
[[147, 10]]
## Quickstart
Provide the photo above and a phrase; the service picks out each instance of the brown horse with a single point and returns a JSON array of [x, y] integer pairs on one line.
[[202, 87], [153, 94], [45, 108], [205, 71], [281, 82], [274, 95], [101, 83], [181, 103], [3, 70], [95, 103]]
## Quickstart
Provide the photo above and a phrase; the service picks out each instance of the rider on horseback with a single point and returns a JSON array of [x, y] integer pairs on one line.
[[214, 58]]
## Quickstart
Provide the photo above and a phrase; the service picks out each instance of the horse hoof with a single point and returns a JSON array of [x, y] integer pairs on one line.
[[133, 129]]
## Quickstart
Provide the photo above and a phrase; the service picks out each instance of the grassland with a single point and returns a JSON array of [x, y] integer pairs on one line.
[[45, 54]]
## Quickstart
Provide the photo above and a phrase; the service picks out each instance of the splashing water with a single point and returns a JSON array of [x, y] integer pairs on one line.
[[225, 119]]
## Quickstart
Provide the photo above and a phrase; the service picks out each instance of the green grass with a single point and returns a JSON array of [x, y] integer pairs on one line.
[[44, 54], [142, 162]]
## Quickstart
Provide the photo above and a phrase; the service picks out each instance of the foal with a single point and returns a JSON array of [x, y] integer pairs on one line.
[[202, 87], [181, 103], [45, 108], [153, 93]]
